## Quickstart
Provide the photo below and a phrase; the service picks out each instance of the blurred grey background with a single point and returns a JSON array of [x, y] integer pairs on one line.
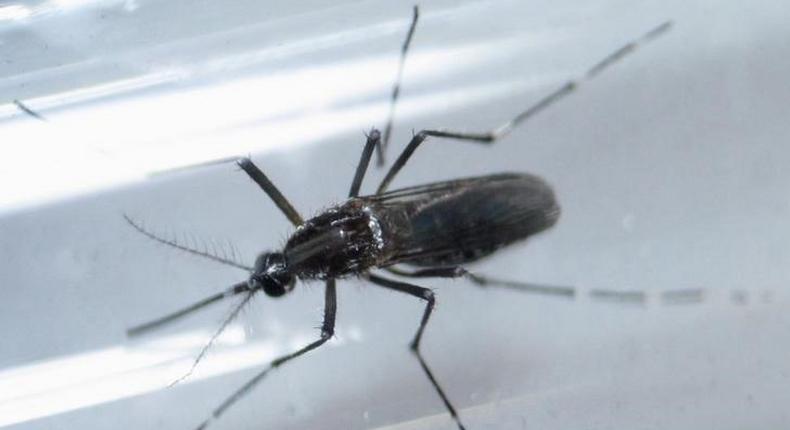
[[671, 170]]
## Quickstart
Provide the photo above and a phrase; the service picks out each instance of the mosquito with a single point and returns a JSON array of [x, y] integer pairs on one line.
[[436, 229]]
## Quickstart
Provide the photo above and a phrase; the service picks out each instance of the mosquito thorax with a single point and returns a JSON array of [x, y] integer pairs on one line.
[[271, 274]]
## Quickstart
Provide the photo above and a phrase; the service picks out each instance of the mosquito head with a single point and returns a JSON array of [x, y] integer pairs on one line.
[[271, 274]]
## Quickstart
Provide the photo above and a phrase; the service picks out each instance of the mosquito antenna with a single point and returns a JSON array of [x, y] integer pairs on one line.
[[159, 322], [175, 244], [396, 87], [574, 84], [214, 337]]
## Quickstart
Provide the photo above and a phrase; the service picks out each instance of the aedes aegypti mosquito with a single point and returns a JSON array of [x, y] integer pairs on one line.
[[436, 228]]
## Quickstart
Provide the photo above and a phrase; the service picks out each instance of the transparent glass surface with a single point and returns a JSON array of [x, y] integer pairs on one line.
[[671, 169]]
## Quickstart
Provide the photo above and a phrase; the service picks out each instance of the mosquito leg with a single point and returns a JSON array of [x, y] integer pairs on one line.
[[505, 129], [432, 272], [327, 331], [483, 281], [411, 147], [666, 297], [374, 140], [396, 87], [427, 295], [23, 107], [268, 187], [241, 287], [416, 291], [623, 296], [566, 291]]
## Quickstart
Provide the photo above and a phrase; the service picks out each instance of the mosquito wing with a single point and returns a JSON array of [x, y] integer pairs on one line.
[[459, 221]]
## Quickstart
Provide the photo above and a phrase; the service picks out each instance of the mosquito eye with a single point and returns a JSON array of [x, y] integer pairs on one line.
[[273, 290]]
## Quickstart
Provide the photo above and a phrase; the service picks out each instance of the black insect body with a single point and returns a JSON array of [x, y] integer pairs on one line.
[[440, 224], [435, 228]]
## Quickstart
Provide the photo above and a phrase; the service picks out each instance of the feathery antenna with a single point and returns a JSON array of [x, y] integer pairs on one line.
[[174, 244]]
